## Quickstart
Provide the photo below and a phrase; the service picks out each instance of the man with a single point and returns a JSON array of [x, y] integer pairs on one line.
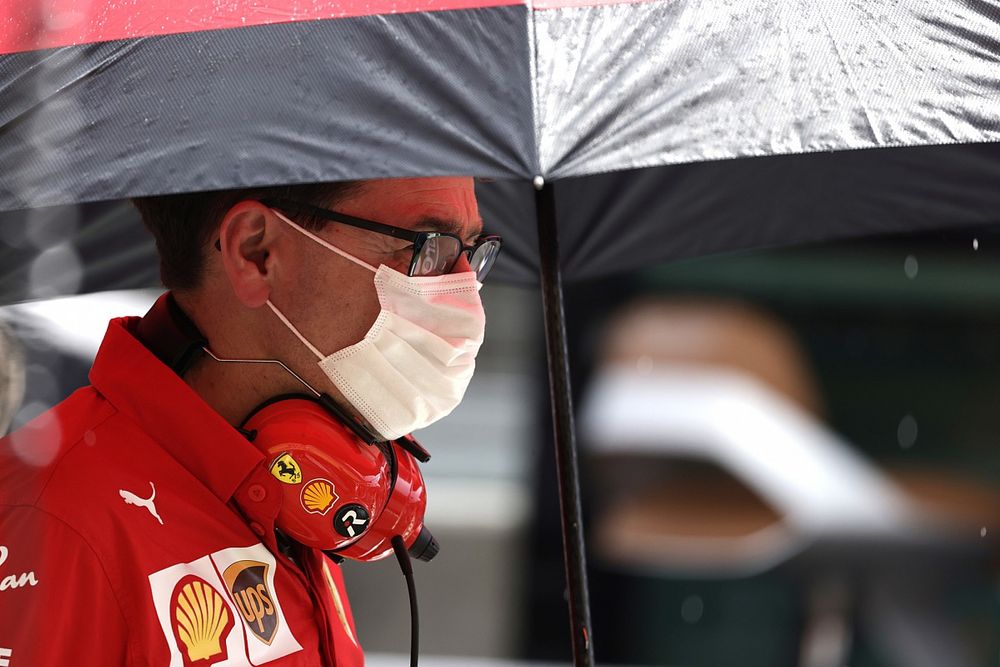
[[126, 530]]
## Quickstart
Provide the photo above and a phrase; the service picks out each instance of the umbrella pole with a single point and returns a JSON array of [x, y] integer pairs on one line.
[[574, 558]]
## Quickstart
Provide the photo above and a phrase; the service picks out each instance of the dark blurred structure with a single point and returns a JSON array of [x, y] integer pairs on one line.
[[900, 334]]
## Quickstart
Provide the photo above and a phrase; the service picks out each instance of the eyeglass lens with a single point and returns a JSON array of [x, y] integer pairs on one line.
[[438, 255], [483, 257]]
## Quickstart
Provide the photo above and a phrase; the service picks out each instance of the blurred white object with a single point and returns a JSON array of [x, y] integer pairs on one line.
[[810, 475], [704, 423], [76, 325]]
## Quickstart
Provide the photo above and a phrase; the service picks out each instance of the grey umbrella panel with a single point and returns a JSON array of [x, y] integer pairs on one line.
[[623, 86]]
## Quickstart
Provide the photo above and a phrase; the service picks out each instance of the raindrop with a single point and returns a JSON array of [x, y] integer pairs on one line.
[[975, 244], [982, 532], [906, 432], [37, 443], [57, 21], [56, 271], [644, 365], [692, 608], [910, 267]]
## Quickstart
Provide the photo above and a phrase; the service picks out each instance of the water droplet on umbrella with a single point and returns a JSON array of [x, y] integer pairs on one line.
[[692, 608], [906, 432], [910, 267]]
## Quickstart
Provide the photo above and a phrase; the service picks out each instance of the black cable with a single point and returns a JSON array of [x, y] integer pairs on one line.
[[407, 567]]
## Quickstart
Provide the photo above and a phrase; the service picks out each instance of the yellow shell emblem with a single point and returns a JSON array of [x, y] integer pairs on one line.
[[201, 619], [286, 470], [318, 496]]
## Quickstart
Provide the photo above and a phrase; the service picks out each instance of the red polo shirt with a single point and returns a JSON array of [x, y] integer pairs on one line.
[[121, 543]]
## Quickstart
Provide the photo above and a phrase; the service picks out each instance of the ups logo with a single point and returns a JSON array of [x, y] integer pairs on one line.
[[247, 581]]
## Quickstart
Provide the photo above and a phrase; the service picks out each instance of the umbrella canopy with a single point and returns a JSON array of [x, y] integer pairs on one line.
[[674, 128]]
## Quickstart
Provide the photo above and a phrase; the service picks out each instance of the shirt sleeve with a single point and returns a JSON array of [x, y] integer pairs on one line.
[[57, 606]]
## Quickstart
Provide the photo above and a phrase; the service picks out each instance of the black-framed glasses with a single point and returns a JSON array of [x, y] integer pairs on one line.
[[434, 253]]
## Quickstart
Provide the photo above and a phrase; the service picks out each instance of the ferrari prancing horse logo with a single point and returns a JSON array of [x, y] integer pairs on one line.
[[286, 470]]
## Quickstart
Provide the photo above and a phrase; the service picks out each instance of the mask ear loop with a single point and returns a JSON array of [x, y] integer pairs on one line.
[[291, 327], [326, 244]]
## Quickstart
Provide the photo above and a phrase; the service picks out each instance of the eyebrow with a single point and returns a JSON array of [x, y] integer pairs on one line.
[[434, 224]]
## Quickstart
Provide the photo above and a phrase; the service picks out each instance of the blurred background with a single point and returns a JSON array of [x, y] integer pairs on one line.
[[791, 456]]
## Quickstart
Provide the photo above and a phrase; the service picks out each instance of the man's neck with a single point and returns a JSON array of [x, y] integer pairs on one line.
[[235, 388]]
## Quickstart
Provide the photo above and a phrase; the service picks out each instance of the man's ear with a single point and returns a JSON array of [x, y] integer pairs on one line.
[[247, 236]]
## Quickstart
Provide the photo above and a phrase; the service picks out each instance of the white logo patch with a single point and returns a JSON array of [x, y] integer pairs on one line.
[[223, 606], [5, 655], [14, 580], [132, 499]]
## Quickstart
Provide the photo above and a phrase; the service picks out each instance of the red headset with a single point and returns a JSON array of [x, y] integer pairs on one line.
[[344, 491], [340, 494]]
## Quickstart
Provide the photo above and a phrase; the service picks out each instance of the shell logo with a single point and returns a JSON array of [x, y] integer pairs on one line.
[[318, 496], [201, 619]]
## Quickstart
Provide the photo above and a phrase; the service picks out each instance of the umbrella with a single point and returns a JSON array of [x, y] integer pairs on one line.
[[657, 130]]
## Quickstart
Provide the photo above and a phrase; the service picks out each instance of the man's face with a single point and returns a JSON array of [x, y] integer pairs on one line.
[[332, 300]]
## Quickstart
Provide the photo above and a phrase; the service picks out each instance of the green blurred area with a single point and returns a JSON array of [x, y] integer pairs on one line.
[[896, 328], [883, 342]]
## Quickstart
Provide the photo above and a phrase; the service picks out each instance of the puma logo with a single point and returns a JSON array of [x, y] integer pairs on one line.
[[132, 499]]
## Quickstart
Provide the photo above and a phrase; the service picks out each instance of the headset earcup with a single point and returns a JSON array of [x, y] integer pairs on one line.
[[334, 485], [403, 515]]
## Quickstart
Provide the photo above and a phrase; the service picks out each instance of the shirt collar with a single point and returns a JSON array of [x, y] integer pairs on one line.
[[165, 407]]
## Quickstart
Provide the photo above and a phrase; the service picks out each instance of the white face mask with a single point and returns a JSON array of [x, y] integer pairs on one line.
[[413, 366]]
